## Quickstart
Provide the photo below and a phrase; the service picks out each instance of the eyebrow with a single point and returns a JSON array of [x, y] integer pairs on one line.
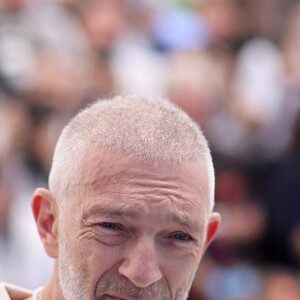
[[110, 211], [128, 211]]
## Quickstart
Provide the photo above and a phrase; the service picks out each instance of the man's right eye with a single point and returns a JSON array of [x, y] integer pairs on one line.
[[110, 225], [110, 233]]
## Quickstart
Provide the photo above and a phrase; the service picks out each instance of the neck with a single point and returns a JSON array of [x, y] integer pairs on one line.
[[52, 290]]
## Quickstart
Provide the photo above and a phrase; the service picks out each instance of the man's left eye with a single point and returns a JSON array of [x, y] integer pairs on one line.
[[182, 237]]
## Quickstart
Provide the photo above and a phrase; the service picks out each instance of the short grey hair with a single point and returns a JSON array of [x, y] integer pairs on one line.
[[152, 130]]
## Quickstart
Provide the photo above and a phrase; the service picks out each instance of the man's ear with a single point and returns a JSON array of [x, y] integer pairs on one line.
[[45, 213], [212, 229]]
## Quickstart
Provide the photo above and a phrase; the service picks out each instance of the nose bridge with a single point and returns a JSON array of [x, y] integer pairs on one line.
[[146, 249], [141, 265]]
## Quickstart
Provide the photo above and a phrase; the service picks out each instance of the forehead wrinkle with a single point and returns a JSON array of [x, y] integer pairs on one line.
[[166, 183], [136, 186], [138, 212], [154, 196], [136, 178], [176, 187], [179, 190], [124, 180], [111, 210], [137, 192]]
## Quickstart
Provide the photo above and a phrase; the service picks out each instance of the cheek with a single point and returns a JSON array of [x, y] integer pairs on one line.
[[96, 258], [180, 271]]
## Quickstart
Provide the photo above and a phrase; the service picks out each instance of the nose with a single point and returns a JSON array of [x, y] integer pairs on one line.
[[140, 265]]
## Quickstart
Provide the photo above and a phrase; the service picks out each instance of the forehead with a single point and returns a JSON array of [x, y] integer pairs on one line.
[[108, 175]]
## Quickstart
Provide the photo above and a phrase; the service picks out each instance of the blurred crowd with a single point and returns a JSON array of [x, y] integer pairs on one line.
[[233, 65]]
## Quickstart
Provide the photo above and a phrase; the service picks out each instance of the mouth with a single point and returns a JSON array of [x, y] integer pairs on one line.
[[117, 297]]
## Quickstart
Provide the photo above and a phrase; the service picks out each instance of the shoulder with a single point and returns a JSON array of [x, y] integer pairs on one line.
[[13, 292]]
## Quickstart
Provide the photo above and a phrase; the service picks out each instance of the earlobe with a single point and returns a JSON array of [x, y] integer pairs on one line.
[[213, 226], [45, 213]]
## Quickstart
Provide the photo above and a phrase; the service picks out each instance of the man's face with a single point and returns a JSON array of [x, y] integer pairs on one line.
[[132, 231]]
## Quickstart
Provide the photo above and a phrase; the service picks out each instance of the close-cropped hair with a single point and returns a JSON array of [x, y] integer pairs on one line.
[[151, 130]]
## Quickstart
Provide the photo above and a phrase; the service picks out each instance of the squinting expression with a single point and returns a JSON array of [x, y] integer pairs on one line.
[[131, 231]]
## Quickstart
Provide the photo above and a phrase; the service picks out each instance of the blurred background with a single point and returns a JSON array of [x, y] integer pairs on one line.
[[233, 65]]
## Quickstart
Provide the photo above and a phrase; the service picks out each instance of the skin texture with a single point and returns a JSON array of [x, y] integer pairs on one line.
[[128, 231]]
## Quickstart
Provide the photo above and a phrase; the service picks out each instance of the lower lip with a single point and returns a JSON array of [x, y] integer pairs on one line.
[[109, 297], [112, 298]]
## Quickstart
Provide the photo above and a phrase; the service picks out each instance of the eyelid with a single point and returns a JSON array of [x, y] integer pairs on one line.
[[105, 226], [189, 237], [109, 223]]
